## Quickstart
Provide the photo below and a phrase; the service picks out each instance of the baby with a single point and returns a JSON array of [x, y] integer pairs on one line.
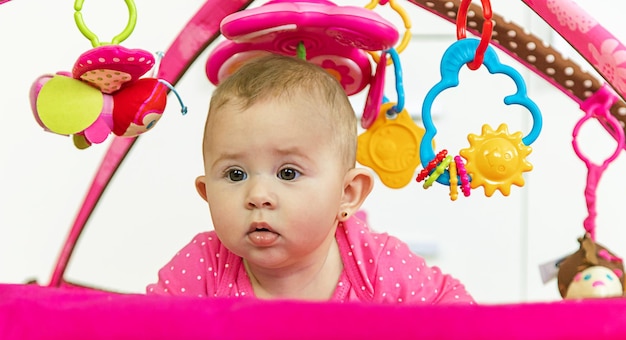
[[282, 188]]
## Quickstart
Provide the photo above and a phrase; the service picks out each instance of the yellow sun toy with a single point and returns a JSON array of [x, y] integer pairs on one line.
[[495, 159]]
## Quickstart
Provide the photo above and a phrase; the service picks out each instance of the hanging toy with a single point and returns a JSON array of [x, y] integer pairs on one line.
[[104, 93], [495, 159], [334, 38], [375, 93], [389, 146], [593, 271]]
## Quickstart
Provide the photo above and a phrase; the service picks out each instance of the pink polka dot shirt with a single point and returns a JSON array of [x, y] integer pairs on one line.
[[377, 268]]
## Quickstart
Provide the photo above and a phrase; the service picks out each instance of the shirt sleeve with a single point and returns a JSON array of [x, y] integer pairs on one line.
[[404, 277], [189, 272]]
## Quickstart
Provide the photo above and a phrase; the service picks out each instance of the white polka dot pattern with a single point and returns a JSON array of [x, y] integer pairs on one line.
[[387, 273]]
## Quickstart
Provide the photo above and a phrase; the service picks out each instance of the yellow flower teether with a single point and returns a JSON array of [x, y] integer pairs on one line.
[[390, 147]]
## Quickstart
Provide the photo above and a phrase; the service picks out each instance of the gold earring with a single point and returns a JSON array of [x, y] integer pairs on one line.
[[344, 214]]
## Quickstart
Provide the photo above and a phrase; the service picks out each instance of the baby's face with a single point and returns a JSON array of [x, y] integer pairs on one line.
[[594, 282], [274, 182]]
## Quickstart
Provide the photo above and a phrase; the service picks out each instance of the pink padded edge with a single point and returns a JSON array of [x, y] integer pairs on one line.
[[35, 312]]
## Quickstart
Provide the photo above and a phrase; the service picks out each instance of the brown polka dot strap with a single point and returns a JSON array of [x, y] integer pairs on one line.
[[529, 50]]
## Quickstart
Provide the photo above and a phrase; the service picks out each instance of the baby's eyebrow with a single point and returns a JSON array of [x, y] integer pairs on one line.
[[289, 151], [293, 151], [227, 156]]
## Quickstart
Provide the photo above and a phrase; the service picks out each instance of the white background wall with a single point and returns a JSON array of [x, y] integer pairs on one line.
[[494, 245]]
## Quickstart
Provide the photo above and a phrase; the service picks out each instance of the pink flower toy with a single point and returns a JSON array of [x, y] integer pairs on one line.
[[104, 93], [336, 38]]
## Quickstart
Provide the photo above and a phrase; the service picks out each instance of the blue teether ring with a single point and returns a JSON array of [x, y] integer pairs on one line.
[[456, 56]]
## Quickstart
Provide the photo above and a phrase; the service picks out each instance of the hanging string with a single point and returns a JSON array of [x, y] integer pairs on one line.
[[183, 107]]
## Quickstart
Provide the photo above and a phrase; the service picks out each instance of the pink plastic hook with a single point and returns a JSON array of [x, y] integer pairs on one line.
[[597, 106]]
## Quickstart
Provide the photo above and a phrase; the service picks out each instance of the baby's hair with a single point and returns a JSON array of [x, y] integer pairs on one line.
[[277, 77]]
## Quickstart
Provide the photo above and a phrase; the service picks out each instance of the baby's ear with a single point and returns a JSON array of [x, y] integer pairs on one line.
[[201, 187], [357, 185]]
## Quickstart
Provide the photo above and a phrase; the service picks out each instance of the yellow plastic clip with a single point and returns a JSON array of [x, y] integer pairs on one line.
[[406, 19]]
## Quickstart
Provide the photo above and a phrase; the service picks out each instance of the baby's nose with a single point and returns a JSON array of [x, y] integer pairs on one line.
[[260, 195]]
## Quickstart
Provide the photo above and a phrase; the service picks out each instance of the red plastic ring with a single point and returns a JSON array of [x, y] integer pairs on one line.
[[461, 22]]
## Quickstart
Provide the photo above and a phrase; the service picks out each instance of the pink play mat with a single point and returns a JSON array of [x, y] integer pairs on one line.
[[33, 312]]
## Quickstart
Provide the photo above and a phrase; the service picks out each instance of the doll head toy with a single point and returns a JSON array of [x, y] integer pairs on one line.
[[591, 272]]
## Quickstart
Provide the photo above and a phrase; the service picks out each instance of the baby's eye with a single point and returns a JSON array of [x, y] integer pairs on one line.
[[288, 174], [236, 175]]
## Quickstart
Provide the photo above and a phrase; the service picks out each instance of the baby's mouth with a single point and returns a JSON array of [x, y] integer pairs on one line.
[[260, 226], [261, 234]]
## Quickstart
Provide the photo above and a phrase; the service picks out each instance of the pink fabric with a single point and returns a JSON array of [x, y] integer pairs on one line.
[[377, 268], [594, 42], [35, 312]]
